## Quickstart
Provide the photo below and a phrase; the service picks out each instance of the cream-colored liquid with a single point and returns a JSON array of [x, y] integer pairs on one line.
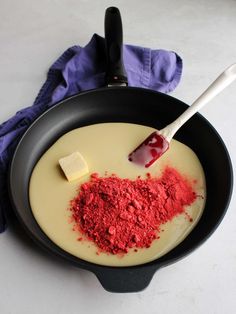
[[105, 147]]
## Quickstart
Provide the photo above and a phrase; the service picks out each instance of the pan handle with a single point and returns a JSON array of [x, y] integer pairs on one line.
[[115, 71], [127, 279]]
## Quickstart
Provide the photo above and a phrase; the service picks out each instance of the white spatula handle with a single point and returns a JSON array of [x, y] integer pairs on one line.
[[226, 78]]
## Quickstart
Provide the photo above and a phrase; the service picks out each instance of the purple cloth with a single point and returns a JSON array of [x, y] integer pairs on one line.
[[79, 69]]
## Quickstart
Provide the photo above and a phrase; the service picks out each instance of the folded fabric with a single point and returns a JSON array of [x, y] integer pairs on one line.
[[79, 69]]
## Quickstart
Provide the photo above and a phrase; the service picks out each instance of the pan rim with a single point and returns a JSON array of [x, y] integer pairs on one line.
[[160, 262]]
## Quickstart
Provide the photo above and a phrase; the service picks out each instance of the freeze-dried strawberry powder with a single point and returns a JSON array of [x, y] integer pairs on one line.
[[118, 214]]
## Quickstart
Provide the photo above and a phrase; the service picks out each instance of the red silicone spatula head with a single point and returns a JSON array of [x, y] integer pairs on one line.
[[149, 150]]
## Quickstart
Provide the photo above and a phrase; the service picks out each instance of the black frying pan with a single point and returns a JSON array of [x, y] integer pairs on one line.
[[133, 105]]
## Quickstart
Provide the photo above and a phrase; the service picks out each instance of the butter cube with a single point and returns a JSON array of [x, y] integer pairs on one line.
[[74, 166]]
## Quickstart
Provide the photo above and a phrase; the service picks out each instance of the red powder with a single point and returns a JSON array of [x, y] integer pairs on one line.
[[118, 214]]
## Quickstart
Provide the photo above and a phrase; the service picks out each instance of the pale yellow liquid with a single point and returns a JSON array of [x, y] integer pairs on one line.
[[105, 147]]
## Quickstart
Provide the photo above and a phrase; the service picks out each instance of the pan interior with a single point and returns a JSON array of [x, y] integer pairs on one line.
[[105, 147]]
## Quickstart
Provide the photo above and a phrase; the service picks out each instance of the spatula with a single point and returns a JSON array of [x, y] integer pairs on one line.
[[157, 143]]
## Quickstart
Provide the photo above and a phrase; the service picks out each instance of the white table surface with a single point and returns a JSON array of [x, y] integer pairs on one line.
[[32, 35]]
